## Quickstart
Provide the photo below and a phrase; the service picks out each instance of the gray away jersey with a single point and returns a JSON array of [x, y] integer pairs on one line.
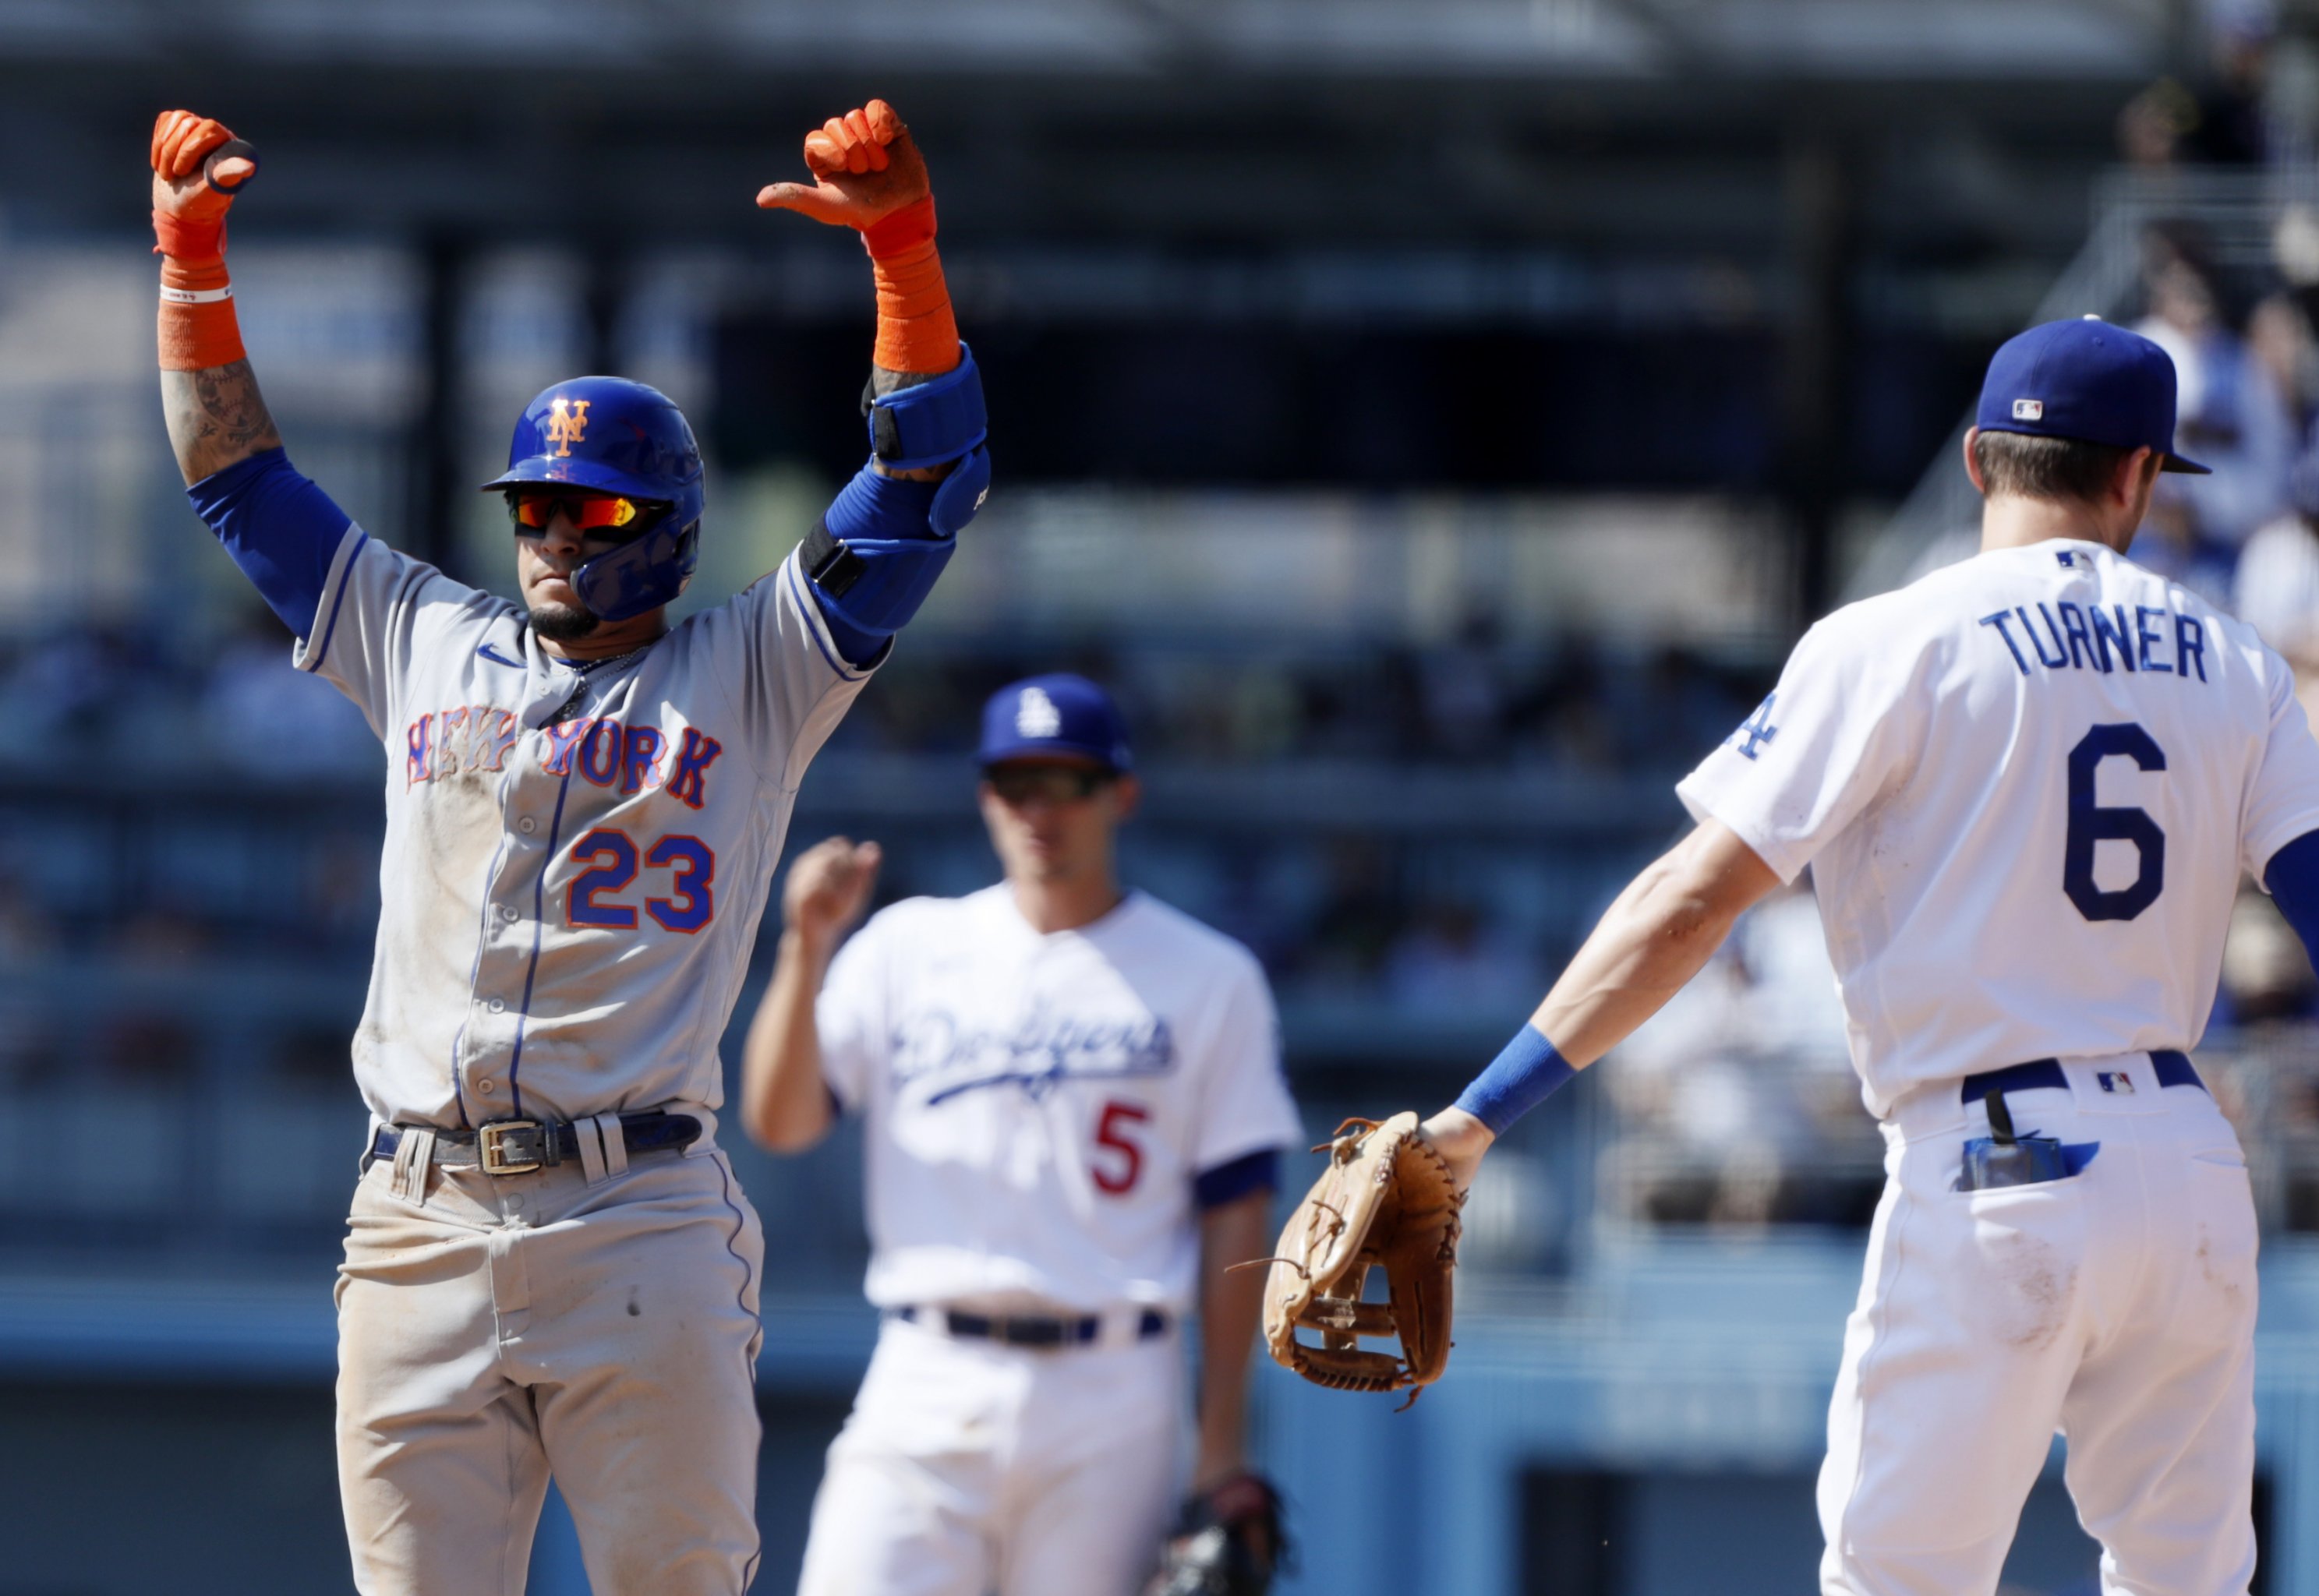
[[575, 862], [2027, 787]]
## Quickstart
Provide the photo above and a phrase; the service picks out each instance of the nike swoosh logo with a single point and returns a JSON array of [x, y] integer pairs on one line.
[[497, 658]]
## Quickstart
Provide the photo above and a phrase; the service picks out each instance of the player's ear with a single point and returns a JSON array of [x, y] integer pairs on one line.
[[1971, 465], [1127, 793], [2137, 474]]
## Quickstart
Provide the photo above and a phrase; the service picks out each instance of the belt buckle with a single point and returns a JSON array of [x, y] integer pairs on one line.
[[511, 1146]]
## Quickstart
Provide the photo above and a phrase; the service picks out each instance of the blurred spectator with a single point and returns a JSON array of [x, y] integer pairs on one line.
[[155, 938], [1578, 703], [2277, 591], [2266, 974], [146, 1039], [271, 721], [1462, 691], [2229, 416], [68, 687], [311, 1056], [1451, 961], [1737, 1103], [2152, 129], [2222, 121], [28, 1028], [27, 935], [2283, 332], [1358, 919], [1700, 1131], [147, 1046]]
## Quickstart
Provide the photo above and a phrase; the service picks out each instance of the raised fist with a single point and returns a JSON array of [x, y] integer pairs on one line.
[[198, 166], [865, 168], [829, 887]]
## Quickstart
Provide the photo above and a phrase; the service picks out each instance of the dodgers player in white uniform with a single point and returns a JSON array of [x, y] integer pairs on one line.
[[1072, 1108], [549, 1267], [2026, 787]]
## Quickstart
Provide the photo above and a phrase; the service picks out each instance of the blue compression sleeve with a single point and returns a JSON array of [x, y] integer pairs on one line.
[[1251, 1172], [1518, 1080], [2292, 876], [280, 529], [872, 507]]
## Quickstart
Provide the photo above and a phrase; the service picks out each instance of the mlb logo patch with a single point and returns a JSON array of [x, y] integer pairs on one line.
[[2028, 410], [2116, 1080]]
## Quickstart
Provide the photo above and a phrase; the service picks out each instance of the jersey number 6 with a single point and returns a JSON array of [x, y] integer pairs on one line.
[[2090, 823], [690, 901]]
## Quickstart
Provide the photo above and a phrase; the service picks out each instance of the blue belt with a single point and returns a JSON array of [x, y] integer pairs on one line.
[[2174, 1069], [1029, 1331]]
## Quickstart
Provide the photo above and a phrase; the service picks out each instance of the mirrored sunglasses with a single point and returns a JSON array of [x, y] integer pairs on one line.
[[607, 515]]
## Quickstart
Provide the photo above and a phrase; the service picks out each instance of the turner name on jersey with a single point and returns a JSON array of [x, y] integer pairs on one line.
[[2029, 783], [2092, 637]]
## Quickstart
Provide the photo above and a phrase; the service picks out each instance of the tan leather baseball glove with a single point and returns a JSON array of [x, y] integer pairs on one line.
[[1386, 1200]]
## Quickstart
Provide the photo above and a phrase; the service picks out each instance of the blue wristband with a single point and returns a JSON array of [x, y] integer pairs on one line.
[[1518, 1080]]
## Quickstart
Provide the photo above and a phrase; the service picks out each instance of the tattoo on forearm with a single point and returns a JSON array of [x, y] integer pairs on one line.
[[217, 418]]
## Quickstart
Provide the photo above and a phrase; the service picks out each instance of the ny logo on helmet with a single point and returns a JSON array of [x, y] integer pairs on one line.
[[568, 425]]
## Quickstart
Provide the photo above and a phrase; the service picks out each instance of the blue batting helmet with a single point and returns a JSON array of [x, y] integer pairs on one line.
[[618, 437]]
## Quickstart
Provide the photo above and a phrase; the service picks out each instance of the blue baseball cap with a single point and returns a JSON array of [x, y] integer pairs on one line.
[[1053, 716], [2088, 381]]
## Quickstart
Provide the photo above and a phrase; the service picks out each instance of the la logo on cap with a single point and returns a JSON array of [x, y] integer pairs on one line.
[[1036, 715], [2028, 410]]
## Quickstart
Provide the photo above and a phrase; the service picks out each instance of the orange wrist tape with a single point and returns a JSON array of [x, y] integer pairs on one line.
[[916, 332], [198, 329], [193, 241]]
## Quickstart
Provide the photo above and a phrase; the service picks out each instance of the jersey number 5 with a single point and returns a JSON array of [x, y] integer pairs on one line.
[[2090, 823], [1128, 1168]]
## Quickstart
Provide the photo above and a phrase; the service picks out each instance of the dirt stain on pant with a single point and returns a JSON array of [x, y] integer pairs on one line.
[[2032, 1289]]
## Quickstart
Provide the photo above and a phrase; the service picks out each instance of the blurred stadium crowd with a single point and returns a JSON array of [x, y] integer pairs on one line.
[[205, 865]]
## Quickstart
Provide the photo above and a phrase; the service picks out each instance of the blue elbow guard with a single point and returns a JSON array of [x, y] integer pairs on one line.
[[929, 422], [890, 543], [961, 495]]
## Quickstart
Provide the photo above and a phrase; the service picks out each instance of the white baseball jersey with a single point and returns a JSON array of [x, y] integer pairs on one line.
[[1038, 1105], [575, 858], [2027, 785]]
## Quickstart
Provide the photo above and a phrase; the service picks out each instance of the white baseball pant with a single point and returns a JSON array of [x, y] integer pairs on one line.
[[2116, 1306], [599, 1326], [968, 1467]]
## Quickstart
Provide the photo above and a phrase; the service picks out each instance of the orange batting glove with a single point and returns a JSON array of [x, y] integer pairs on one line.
[[868, 175], [191, 189], [198, 167]]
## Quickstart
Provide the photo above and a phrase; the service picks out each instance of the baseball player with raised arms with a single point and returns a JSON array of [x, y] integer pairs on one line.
[[1072, 1109], [2026, 787], [549, 1267]]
